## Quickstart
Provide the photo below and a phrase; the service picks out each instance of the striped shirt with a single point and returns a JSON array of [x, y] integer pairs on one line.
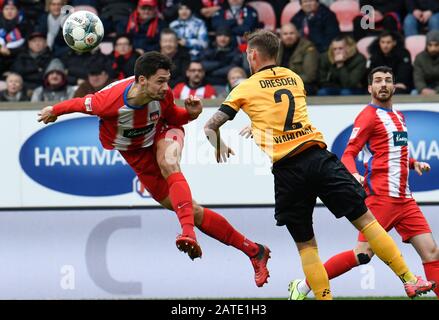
[[382, 136], [123, 126], [183, 91]]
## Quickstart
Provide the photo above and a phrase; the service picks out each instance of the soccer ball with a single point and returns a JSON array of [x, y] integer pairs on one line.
[[83, 31]]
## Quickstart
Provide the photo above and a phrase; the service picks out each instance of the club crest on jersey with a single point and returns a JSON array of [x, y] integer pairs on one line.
[[154, 116], [400, 138]]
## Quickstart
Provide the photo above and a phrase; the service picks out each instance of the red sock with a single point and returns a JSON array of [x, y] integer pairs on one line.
[[181, 199], [220, 229], [432, 273], [340, 263]]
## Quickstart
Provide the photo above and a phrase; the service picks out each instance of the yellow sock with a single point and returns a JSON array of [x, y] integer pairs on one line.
[[315, 273], [386, 249]]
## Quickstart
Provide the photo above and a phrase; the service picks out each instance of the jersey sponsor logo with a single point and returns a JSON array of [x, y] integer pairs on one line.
[[423, 145], [138, 132], [67, 157], [292, 135], [400, 138]]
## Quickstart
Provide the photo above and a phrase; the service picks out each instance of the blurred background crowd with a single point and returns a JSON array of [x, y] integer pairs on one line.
[[331, 44]]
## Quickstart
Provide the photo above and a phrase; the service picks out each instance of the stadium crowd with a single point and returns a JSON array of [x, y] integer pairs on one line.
[[206, 42]]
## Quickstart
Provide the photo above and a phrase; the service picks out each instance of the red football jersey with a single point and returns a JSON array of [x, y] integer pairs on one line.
[[122, 126], [382, 135], [183, 91]]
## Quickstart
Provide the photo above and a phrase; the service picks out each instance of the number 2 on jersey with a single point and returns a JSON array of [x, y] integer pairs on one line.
[[289, 125]]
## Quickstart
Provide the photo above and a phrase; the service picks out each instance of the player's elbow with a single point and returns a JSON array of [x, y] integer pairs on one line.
[[208, 130]]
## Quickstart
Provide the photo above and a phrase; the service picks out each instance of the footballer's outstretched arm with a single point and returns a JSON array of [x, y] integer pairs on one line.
[[212, 130], [50, 113]]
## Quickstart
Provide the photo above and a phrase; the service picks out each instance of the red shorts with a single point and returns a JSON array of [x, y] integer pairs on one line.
[[400, 213], [144, 161]]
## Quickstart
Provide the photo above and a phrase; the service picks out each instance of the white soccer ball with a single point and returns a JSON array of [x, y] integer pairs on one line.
[[83, 31]]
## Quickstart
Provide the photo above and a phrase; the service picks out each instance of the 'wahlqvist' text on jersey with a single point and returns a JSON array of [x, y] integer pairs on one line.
[[274, 99], [382, 136], [123, 126]]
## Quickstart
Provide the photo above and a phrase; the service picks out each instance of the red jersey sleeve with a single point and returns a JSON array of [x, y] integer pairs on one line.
[[173, 114], [363, 127], [95, 104]]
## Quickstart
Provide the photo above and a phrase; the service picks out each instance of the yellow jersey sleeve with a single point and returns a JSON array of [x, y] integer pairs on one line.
[[234, 101]]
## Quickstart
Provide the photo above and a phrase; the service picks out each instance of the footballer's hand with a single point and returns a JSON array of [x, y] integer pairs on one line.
[[246, 132], [421, 167], [222, 153], [359, 178], [193, 106], [46, 115]]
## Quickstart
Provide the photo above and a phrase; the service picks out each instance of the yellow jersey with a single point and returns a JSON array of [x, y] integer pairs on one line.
[[274, 100]]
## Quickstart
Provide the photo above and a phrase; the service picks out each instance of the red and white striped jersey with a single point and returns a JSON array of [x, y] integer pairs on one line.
[[182, 91], [123, 126], [382, 135]]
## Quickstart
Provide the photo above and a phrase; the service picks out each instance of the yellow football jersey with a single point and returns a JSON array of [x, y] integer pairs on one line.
[[274, 99]]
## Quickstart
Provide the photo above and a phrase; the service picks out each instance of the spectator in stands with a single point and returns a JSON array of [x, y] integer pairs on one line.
[[191, 31], [218, 60], [208, 10], [426, 66], [91, 3], [234, 77], [32, 11], [421, 13], [195, 84], [300, 55], [169, 9], [50, 24], [114, 15], [240, 18], [145, 25], [179, 55], [14, 89], [99, 76], [124, 57], [55, 87], [32, 63], [75, 63], [316, 23], [342, 69], [387, 15], [388, 50], [12, 31]]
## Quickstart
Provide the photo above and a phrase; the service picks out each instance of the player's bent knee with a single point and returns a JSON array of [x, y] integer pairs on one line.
[[431, 255], [167, 168]]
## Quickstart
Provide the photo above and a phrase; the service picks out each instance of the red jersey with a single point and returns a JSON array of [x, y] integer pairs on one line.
[[382, 135], [182, 91], [123, 126]]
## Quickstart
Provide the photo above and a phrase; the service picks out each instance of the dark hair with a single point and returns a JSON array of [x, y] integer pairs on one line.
[[300, 1], [266, 42], [387, 33], [123, 35], [384, 69], [148, 64], [169, 31]]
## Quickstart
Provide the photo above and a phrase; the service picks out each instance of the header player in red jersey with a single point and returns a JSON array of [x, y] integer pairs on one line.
[[381, 132], [139, 118]]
